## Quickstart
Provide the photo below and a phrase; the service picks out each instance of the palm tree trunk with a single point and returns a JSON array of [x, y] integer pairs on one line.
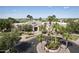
[[33, 29], [66, 43]]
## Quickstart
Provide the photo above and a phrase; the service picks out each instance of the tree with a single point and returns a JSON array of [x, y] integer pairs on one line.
[[5, 24], [40, 18], [51, 18], [56, 27], [40, 38], [54, 16], [12, 20], [29, 17], [54, 43], [43, 28], [66, 36], [9, 40], [73, 27]]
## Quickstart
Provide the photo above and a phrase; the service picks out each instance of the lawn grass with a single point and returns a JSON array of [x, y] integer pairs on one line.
[[74, 37], [3, 33]]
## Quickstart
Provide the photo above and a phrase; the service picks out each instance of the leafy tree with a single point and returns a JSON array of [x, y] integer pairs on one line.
[[73, 27], [29, 17], [9, 40], [5, 24], [40, 18], [12, 20]]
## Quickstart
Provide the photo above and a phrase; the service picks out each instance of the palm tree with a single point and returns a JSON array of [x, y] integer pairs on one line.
[[40, 38], [50, 19], [56, 27], [66, 36]]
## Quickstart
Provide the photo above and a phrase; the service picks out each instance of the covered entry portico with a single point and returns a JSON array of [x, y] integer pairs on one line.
[[36, 26]]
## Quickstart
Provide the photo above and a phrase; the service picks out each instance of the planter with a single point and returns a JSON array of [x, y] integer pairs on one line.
[[51, 50]]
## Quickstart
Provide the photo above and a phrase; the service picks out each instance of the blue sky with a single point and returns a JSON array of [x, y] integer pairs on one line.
[[39, 11]]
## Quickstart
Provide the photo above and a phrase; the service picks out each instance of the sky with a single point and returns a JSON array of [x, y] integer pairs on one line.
[[39, 11]]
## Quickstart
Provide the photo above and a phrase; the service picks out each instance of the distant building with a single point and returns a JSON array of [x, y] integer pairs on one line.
[[36, 24]]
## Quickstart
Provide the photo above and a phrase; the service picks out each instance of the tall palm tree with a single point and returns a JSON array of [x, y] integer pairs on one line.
[[56, 27], [50, 19]]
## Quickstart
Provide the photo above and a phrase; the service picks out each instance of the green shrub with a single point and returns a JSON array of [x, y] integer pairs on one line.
[[73, 27], [5, 25], [26, 27], [9, 40], [53, 43]]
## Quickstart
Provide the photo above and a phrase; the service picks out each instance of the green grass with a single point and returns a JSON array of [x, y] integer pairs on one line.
[[3, 33], [74, 37]]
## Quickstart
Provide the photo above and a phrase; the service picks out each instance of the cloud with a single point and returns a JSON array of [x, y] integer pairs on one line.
[[50, 6], [66, 7]]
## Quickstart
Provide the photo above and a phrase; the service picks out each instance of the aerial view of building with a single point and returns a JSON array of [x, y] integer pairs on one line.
[[39, 29]]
